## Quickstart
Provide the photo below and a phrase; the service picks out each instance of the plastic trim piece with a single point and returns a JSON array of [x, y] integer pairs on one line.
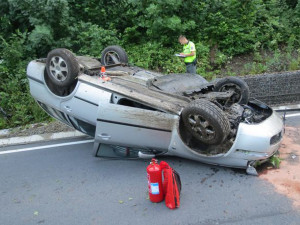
[[36, 80]]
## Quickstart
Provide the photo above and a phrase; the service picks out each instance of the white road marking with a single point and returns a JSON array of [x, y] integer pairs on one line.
[[292, 115], [45, 146]]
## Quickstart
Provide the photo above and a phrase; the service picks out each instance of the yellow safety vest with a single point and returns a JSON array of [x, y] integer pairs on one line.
[[187, 49]]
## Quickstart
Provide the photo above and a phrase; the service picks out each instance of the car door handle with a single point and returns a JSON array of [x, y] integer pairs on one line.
[[105, 137], [68, 108]]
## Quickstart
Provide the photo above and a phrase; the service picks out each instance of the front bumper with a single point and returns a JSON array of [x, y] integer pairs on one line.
[[258, 141], [252, 143]]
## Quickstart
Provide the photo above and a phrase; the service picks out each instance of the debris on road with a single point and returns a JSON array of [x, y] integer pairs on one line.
[[286, 180]]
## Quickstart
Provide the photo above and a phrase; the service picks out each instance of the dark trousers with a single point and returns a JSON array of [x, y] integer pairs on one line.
[[190, 68]]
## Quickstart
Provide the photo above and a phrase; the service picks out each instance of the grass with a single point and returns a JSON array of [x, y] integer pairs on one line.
[[257, 63]]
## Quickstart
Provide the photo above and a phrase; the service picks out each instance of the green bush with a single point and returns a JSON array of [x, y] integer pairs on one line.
[[148, 30], [156, 57], [16, 102], [40, 40], [90, 39]]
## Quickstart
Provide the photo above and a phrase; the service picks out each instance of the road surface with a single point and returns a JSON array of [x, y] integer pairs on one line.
[[60, 182]]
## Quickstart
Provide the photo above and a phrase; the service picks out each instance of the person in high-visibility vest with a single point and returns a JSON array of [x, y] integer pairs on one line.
[[189, 54]]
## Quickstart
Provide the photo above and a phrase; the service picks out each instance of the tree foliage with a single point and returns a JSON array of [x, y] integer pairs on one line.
[[147, 29]]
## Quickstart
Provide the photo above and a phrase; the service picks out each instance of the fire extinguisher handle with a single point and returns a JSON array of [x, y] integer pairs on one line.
[[154, 160]]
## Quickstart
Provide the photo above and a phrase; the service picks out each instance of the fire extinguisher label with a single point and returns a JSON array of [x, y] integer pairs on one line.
[[154, 188]]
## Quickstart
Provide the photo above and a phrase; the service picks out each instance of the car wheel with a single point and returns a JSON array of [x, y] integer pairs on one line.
[[113, 55], [62, 67], [206, 122], [239, 86]]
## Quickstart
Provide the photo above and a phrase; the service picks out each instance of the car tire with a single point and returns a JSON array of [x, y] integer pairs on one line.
[[62, 67], [239, 86], [206, 122], [113, 55]]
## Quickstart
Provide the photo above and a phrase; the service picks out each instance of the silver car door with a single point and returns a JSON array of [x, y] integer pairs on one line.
[[134, 127]]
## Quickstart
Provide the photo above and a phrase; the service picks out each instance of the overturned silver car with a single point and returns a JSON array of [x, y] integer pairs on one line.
[[140, 113]]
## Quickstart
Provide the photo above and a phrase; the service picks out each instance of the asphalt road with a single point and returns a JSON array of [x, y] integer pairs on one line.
[[52, 184]]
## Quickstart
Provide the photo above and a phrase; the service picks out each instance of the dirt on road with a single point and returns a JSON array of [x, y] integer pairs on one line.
[[286, 179]]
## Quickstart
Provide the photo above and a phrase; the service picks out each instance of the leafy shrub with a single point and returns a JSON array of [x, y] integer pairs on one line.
[[40, 40], [203, 57], [160, 21], [156, 57], [16, 100], [148, 30], [17, 105], [90, 39]]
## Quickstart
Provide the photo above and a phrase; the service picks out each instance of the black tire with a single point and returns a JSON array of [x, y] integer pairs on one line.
[[206, 122], [238, 85], [62, 67], [113, 55]]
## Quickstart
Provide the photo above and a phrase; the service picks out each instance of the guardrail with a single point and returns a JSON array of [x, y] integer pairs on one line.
[[275, 88]]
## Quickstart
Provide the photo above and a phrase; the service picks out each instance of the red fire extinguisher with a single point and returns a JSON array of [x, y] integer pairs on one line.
[[154, 173]]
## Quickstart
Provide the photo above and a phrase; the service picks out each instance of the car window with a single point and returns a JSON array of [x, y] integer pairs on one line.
[[83, 126], [54, 112]]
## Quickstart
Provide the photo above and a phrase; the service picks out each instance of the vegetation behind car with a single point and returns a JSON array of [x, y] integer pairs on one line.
[[231, 37]]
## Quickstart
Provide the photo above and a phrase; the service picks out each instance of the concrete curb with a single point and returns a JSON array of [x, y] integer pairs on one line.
[[39, 138], [73, 134]]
